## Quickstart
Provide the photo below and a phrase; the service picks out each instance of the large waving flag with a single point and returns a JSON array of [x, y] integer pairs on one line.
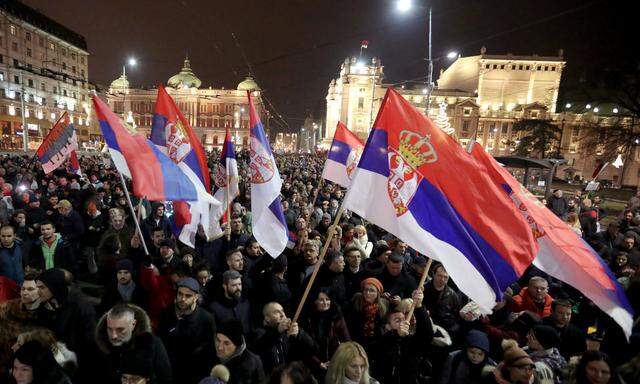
[[75, 164], [152, 173], [343, 156], [269, 226], [226, 176], [417, 183], [58, 145], [173, 135], [563, 254]]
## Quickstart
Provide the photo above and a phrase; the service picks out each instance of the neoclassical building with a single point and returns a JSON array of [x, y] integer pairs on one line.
[[482, 96], [209, 111]]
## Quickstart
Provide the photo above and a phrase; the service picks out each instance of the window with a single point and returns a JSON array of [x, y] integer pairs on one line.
[[502, 66], [520, 67], [539, 68], [513, 66], [546, 67], [16, 79], [64, 92], [505, 128], [12, 29], [55, 89], [466, 111], [41, 41], [553, 69], [360, 103], [29, 52], [487, 66], [64, 52], [64, 65], [14, 46], [495, 66], [30, 81], [528, 67], [43, 87], [534, 114], [16, 63], [1, 59], [465, 126], [73, 56], [52, 46], [27, 36], [82, 72], [82, 59]]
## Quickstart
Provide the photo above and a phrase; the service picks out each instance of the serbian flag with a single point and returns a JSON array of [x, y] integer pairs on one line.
[[226, 176], [563, 254], [152, 173], [58, 145], [417, 183], [75, 165], [268, 223], [343, 156], [173, 135]]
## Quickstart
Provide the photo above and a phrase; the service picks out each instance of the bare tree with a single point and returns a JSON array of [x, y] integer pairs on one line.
[[539, 138]]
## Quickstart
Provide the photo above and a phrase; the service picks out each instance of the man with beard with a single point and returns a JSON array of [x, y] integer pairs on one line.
[[125, 289], [124, 333], [188, 332], [231, 304]]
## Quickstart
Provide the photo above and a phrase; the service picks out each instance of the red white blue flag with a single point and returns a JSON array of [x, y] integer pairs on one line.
[[268, 223], [173, 135], [417, 183], [226, 176], [343, 156], [58, 145], [152, 173], [563, 254]]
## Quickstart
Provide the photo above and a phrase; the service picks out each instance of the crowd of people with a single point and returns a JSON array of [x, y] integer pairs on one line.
[[82, 302]]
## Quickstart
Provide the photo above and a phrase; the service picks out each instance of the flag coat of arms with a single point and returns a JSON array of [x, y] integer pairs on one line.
[[226, 176], [58, 145], [562, 253], [173, 135], [269, 225], [343, 156], [417, 183], [152, 173]]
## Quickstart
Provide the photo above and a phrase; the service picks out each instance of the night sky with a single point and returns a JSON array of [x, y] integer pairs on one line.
[[295, 47]]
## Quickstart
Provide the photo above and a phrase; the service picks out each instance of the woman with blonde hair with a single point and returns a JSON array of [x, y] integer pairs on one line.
[[574, 223], [349, 365]]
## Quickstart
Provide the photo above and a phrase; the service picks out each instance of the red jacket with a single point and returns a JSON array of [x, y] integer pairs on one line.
[[161, 292], [524, 302]]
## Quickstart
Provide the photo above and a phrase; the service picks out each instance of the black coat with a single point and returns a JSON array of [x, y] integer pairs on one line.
[[71, 227], [63, 256], [245, 368], [189, 342], [111, 297], [558, 205], [143, 346], [402, 285], [224, 309], [275, 348], [396, 359]]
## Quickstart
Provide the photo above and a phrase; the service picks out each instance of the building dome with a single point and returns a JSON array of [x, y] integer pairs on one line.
[[248, 85], [185, 79], [121, 82]]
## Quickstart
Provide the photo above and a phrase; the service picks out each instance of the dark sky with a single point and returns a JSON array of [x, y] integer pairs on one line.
[[295, 47]]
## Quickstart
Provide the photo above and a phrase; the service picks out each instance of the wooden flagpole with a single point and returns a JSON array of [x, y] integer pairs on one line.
[[423, 278], [135, 218]]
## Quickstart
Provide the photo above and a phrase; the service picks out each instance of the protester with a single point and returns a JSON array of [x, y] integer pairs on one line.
[[471, 365], [244, 366], [349, 364], [368, 312], [33, 363]]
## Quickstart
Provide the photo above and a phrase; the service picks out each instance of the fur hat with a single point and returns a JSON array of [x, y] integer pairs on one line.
[[514, 356]]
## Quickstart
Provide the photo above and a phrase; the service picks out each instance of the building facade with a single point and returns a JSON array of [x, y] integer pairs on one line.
[[45, 65], [482, 97], [209, 111]]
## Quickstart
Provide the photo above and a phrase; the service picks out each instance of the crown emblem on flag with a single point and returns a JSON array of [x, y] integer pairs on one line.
[[416, 150]]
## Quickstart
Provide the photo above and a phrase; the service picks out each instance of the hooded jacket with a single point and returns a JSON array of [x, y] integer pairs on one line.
[[143, 346], [458, 369]]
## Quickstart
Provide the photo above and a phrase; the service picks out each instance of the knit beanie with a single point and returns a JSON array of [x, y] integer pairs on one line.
[[54, 280], [232, 328], [124, 265], [514, 356], [477, 339], [373, 281], [546, 336]]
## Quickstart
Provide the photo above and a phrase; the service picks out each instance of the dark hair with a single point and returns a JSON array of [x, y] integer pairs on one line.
[[280, 264], [232, 251], [40, 358], [589, 356], [297, 372], [561, 303], [379, 250], [202, 266], [46, 222], [157, 229]]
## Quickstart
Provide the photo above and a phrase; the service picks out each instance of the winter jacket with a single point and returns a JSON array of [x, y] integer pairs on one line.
[[95, 227], [396, 359], [11, 262], [245, 367], [275, 348], [524, 302], [143, 346], [14, 319], [444, 307], [457, 370], [356, 319], [329, 330], [402, 285], [224, 309], [63, 256], [189, 341], [111, 297], [558, 205], [573, 341], [71, 227], [553, 359]]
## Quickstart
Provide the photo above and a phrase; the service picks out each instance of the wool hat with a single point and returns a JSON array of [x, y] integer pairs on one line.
[[514, 356], [477, 339], [373, 281], [232, 329], [546, 336], [189, 282], [54, 280], [138, 365], [124, 265]]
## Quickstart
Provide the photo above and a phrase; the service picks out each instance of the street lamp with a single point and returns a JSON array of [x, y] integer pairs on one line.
[[132, 62], [404, 5], [452, 55]]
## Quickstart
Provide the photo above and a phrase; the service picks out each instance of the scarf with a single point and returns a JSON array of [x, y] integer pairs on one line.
[[370, 311], [126, 290]]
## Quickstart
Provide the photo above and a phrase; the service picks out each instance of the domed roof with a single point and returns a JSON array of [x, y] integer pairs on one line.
[[121, 82], [248, 85], [186, 78]]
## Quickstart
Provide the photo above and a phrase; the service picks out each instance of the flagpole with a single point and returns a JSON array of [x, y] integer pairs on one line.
[[423, 278], [315, 196], [320, 260], [228, 205], [133, 213]]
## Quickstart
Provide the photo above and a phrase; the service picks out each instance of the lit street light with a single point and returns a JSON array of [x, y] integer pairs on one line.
[[404, 5], [132, 62], [452, 55]]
